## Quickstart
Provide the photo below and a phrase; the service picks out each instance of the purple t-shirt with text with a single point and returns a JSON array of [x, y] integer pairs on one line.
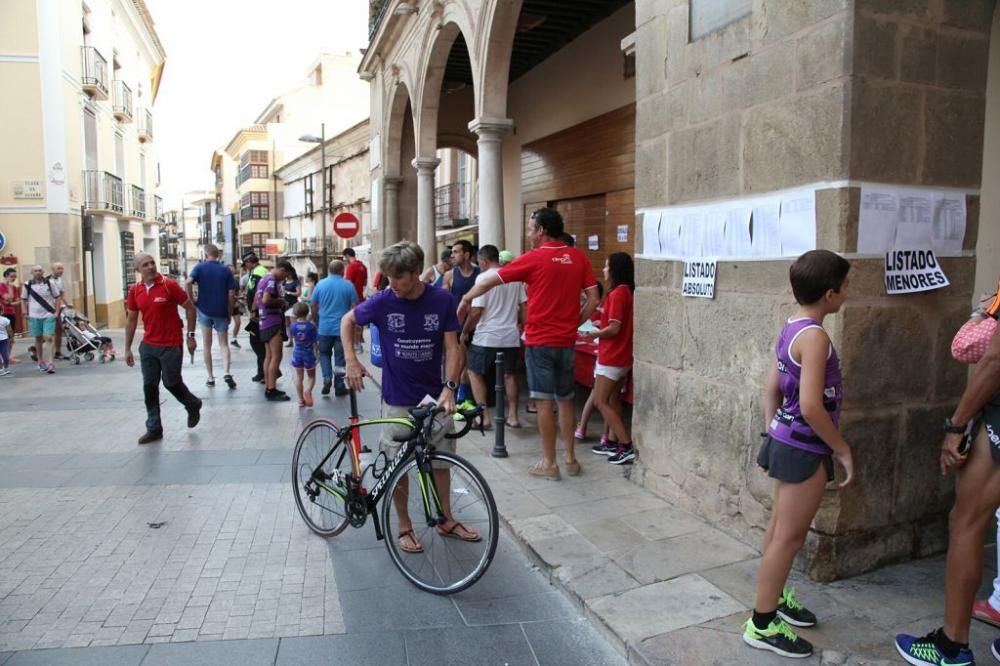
[[269, 316], [412, 337]]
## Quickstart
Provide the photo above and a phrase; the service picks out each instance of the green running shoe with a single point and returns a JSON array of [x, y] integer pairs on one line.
[[778, 638], [793, 612]]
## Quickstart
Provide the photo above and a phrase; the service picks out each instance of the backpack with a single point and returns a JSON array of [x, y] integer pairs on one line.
[[38, 299]]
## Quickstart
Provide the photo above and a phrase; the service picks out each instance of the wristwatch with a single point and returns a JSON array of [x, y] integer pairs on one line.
[[190, 334], [451, 385], [953, 429]]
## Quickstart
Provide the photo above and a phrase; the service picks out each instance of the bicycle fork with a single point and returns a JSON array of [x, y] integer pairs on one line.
[[433, 510]]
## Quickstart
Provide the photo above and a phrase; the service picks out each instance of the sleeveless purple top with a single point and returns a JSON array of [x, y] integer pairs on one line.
[[788, 426]]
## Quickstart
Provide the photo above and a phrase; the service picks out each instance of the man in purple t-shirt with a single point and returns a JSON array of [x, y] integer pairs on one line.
[[417, 326], [271, 311]]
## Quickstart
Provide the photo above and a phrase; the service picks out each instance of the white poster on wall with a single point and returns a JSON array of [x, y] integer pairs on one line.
[[907, 217], [699, 279], [593, 243], [622, 233], [651, 234], [797, 222], [912, 271]]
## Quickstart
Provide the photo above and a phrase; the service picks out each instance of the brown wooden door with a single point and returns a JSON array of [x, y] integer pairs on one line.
[[586, 218]]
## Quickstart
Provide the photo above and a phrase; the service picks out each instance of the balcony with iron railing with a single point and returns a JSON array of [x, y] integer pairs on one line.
[[94, 77], [309, 246], [452, 205], [103, 192], [121, 105], [145, 126], [137, 202]]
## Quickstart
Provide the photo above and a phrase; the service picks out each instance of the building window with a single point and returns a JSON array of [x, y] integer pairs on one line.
[[255, 206], [707, 16]]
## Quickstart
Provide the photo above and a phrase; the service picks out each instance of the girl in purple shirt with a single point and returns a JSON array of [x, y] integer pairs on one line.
[[802, 398]]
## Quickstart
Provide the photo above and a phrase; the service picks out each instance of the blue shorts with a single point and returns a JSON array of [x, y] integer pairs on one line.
[[38, 328], [220, 324], [550, 372], [306, 361]]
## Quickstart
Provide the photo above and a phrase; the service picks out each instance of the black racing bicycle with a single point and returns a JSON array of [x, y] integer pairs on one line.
[[440, 524]]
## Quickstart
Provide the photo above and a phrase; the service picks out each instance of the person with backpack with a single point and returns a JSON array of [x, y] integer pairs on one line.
[[255, 272], [43, 298]]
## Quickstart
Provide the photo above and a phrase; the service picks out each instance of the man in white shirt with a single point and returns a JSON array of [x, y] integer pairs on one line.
[[493, 323], [57, 280], [42, 298]]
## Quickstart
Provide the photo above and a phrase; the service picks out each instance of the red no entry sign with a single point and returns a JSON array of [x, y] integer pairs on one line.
[[346, 225]]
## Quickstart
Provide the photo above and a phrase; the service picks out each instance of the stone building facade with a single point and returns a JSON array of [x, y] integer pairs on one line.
[[626, 113], [799, 94]]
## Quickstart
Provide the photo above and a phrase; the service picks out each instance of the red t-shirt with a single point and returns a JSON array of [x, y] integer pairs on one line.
[[162, 326], [617, 351], [553, 274], [357, 274]]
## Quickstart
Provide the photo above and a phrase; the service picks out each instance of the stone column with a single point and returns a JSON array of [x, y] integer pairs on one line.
[[390, 222], [425, 207], [491, 132]]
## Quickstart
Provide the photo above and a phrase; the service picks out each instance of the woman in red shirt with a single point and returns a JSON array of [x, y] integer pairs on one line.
[[10, 304], [614, 354]]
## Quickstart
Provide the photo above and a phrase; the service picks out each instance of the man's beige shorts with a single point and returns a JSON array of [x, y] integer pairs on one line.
[[437, 434]]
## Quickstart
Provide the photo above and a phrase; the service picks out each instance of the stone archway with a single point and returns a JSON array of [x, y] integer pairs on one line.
[[399, 182], [500, 19]]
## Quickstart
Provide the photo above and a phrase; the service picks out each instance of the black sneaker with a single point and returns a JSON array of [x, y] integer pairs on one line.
[[326, 388], [235, 343], [151, 436], [623, 456], [257, 378], [194, 415], [275, 396], [778, 638], [230, 382], [605, 449], [340, 392], [793, 612]]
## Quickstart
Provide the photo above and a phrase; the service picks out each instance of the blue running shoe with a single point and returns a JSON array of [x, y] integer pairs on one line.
[[925, 652]]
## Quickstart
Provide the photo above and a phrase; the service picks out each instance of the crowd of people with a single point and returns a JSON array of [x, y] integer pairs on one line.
[[440, 330]]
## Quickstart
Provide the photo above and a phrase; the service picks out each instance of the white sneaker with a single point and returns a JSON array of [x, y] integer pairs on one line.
[[4, 372]]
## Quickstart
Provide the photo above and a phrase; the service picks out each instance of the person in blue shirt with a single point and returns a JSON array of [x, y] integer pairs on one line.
[[214, 301], [303, 334], [332, 298]]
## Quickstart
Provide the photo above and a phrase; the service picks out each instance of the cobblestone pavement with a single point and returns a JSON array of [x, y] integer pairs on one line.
[[195, 543]]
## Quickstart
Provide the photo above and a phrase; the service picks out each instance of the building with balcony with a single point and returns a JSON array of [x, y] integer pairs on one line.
[[79, 181], [647, 123], [171, 239], [306, 208], [332, 95]]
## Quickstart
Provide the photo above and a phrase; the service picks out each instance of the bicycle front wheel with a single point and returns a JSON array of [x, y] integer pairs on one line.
[[320, 497], [446, 563]]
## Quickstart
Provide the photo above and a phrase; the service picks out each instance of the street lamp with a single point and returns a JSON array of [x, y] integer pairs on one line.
[[321, 140]]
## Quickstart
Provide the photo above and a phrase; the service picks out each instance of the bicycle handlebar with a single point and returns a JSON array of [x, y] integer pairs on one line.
[[422, 415]]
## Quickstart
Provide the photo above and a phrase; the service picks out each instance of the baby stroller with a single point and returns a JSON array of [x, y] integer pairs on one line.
[[83, 340]]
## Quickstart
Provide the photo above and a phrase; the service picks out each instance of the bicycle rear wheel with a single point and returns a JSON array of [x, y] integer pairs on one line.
[[321, 501], [447, 564]]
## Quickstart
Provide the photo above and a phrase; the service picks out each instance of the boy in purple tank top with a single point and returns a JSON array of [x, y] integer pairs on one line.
[[802, 397]]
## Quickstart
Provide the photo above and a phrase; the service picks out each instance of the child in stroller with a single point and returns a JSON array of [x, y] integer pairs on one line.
[[82, 339]]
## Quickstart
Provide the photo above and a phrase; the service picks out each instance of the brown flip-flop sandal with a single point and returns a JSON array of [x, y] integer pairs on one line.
[[452, 534], [415, 548]]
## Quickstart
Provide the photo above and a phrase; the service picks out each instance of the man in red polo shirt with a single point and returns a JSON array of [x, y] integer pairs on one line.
[[554, 274], [357, 274], [161, 350]]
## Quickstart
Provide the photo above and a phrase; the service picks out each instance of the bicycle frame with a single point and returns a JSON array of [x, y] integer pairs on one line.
[[433, 511]]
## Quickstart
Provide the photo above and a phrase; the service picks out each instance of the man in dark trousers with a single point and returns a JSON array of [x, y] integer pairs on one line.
[[255, 272], [161, 350]]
